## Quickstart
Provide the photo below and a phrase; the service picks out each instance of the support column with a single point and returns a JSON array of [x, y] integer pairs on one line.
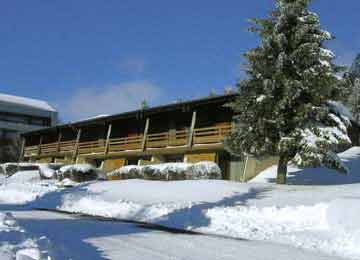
[[143, 145], [39, 147], [59, 142], [192, 127], [107, 143], [76, 145], [22, 151]]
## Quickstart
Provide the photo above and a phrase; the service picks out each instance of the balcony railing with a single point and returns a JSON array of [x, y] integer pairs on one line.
[[174, 138]]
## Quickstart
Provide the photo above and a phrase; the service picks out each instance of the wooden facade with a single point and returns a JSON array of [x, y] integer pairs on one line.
[[188, 131]]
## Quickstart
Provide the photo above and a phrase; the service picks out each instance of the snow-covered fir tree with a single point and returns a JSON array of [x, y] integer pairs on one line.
[[144, 104], [283, 107], [355, 67], [353, 101]]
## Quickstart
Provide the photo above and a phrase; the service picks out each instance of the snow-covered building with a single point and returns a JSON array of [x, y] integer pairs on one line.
[[20, 114], [190, 131]]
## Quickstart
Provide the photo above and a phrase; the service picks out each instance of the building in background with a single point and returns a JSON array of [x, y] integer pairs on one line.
[[18, 115]]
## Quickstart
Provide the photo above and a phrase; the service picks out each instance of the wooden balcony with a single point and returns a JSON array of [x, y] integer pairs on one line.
[[174, 138]]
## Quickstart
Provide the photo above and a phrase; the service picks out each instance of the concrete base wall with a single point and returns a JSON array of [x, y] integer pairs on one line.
[[247, 169], [198, 157], [113, 164], [253, 166]]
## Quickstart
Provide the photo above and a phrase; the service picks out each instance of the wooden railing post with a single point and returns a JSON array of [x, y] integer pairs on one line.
[[58, 142], [76, 150], [107, 143], [22, 151], [143, 144], [39, 147], [191, 133]]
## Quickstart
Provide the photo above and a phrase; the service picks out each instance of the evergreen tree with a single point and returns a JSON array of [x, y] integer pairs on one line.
[[282, 108], [355, 67], [144, 104], [212, 93], [353, 100]]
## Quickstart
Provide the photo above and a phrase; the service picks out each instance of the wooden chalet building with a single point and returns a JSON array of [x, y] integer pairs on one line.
[[189, 131]]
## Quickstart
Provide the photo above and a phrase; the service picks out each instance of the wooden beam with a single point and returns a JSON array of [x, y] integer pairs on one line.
[[107, 144], [40, 143], [59, 141], [191, 133], [76, 150], [22, 151], [143, 144]]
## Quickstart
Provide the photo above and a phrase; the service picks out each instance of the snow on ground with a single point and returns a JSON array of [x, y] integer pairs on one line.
[[322, 218], [22, 187], [78, 239], [17, 242], [310, 217]]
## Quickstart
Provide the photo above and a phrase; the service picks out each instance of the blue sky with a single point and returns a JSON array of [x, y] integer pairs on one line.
[[116, 53]]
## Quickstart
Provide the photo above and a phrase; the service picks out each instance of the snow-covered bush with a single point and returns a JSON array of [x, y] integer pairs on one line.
[[127, 172], [48, 171], [205, 170], [169, 171], [79, 172]]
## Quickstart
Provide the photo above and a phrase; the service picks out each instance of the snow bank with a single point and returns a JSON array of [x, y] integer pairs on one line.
[[28, 254], [23, 187], [9, 169], [24, 176], [317, 176], [169, 171]]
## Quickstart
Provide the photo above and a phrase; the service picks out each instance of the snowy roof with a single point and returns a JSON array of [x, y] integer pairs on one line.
[[29, 102]]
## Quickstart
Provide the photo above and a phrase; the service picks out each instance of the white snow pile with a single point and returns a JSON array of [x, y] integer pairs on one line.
[[23, 187], [79, 172], [48, 171], [15, 242], [169, 171]]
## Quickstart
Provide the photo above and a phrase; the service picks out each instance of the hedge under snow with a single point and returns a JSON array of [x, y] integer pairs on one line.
[[169, 171]]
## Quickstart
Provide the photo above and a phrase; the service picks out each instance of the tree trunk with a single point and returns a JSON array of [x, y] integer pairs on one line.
[[282, 169]]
